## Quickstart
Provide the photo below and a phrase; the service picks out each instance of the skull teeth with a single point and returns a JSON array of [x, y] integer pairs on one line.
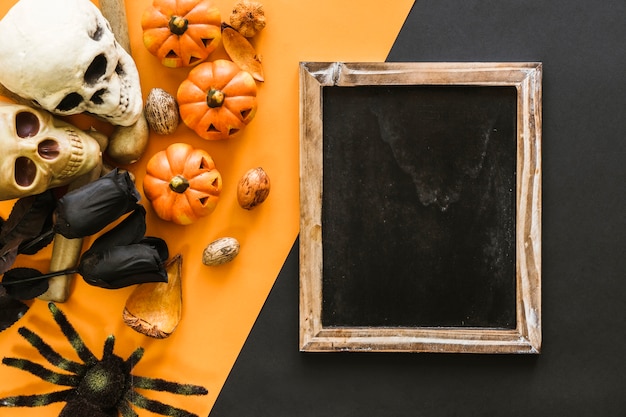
[[125, 87], [77, 155], [124, 96]]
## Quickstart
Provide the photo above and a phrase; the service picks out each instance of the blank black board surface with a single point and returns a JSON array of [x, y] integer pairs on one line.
[[418, 206]]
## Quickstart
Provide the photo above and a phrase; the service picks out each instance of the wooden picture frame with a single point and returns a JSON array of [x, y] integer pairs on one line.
[[437, 168]]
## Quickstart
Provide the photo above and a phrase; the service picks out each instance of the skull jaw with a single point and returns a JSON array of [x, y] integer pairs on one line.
[[125, 111], [129, 109]]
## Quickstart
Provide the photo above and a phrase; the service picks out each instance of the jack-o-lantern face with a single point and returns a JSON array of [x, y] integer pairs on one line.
[[40, 152], [217, 99], [182, 183], [181, 33]]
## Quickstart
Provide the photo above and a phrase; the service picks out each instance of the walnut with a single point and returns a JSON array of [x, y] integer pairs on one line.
[[248, 18]]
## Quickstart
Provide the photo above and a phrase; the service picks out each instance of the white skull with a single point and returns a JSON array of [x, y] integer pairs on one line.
[[62, 55], [40, 151]]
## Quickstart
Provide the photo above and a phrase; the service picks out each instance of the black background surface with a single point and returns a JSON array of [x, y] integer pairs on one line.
[[582, 368]]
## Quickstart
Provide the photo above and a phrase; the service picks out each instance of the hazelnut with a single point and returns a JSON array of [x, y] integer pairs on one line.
[[161, 112], [253, 188], [220, 251]]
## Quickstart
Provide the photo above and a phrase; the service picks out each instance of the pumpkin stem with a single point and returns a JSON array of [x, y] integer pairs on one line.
[[178, 25], [179, 184], [214, 98]]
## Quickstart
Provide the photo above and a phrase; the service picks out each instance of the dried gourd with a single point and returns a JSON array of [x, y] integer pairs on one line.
[[248, 17], [155, 308]]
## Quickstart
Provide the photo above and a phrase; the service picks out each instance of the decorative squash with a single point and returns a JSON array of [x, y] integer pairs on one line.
[[217, 99], [181, 33], [155, 308], [182, 183]]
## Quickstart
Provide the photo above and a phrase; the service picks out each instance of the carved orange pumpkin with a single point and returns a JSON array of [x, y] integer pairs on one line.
[[181, 33], [217, 99], [182, 183]]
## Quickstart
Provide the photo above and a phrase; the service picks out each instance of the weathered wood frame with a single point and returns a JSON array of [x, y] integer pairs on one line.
[[526, 337]]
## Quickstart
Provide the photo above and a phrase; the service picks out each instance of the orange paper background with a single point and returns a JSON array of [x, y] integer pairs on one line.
[[220, 303]]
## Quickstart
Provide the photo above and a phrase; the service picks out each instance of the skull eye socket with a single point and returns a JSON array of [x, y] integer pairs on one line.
[[97, 97], [97, 34], [96, 69], [119, 70], [26, 124], [70, 101], [25, 171]]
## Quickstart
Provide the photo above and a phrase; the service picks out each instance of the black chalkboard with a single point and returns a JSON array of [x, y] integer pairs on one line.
[[418, 208]]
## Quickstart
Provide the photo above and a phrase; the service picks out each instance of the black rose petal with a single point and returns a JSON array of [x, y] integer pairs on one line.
[[131, 230], [87, 210], [159, 245]]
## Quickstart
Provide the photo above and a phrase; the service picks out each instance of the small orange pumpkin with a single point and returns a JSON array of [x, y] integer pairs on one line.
[[181, 33], [217, 99], [182, 183]]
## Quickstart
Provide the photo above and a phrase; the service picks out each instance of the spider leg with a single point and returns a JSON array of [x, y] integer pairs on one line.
[[157, 384], [35, 400], [134, 358], [109, 345], [157, 406], [72, 335], [50, 354], [42, 372], [126, 410]]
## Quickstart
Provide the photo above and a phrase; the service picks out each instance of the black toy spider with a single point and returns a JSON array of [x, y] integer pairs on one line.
[[98, 387]]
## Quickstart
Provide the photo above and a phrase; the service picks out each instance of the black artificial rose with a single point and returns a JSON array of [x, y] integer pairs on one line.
[[90, 208], [121, 266], [123, 256]]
